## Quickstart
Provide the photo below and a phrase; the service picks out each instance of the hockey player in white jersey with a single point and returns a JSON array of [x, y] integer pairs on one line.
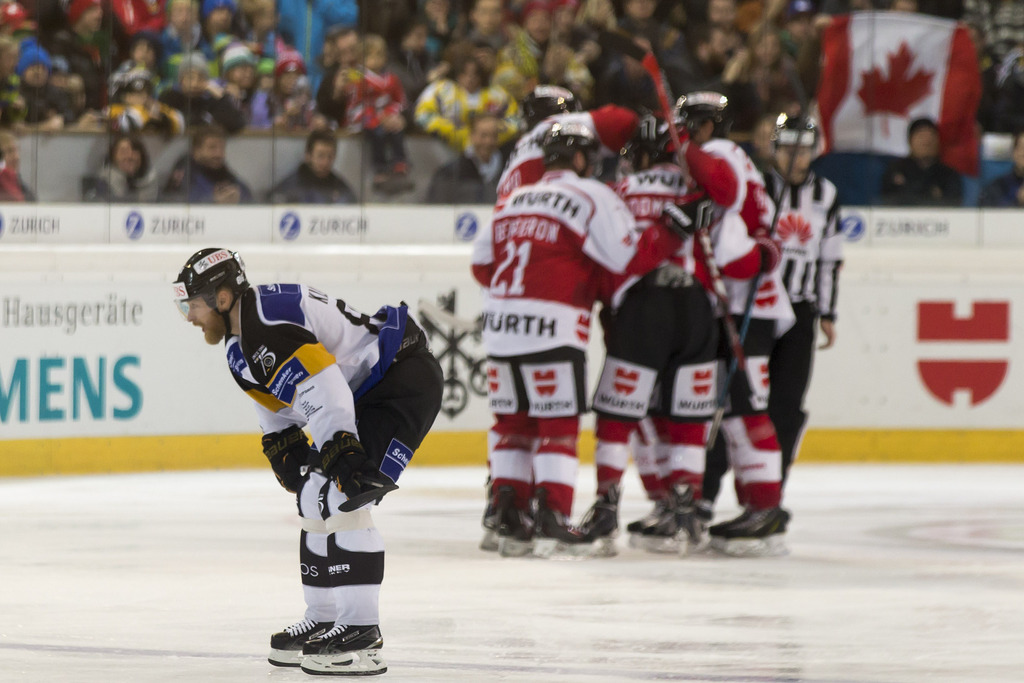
[[367, 389], [662, 342], [611, 126], [543, 265], [750, 445], [812, 255]]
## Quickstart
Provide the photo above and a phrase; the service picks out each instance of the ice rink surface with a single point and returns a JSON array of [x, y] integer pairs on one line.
[[896, 574]]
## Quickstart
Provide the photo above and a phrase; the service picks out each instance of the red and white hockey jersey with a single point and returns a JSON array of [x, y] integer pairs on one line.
[[613, 126], [547, 256], [752, 204]]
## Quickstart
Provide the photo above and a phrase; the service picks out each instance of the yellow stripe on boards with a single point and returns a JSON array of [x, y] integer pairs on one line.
[[31, 457]]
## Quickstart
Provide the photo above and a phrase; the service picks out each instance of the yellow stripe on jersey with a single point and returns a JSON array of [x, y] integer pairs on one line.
[[267, 400], [312, 358]]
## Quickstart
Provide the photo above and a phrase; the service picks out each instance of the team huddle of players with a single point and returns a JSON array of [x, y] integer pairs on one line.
[[690, 234]]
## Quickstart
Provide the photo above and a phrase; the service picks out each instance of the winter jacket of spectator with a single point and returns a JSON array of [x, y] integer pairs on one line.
[[330, 101], [1003, 190], [11, 187], [371, 97], [112, 185], [411, 68], [305, 187], [459, 182], [921, 185], [164, 119], [444, 110], [205, 109], [42, 103], [191, 182], [294, 16], [140, 15], [88, 61], [11, 110], [172, 47], [520, 64]]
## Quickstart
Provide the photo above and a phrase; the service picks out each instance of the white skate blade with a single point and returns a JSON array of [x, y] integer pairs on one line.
[[654, 544], [510, 547], [357, 663], [489, 543], [285, 657], [688, 546], [770, 546], [602, 547]]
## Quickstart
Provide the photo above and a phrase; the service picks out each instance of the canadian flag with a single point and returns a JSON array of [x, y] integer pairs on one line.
[[883, 70]]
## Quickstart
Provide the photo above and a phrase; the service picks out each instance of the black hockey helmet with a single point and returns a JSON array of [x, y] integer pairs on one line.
[[205, 272], [795, 131], [650, 144], [563, 140], [695, 108], [548, 100]]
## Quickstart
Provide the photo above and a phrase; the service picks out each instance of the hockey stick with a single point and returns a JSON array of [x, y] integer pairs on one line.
[[622, 43]]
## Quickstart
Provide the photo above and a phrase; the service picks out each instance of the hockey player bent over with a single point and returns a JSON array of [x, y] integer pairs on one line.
[[542, 264], [812, 255], [750, 445], [662, 337], [309, 360]]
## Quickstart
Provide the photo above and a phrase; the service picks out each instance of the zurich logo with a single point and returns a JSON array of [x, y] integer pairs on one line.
[[465, 226], [852, 227], [290, 226], [134, 225]]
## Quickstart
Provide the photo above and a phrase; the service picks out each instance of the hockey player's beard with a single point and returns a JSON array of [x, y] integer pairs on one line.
[[214, 330]]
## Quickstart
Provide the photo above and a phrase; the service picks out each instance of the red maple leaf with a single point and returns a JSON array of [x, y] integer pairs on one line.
[[897, 93]]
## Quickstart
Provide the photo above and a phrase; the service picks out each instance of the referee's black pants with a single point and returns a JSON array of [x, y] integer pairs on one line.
[[790, 370]]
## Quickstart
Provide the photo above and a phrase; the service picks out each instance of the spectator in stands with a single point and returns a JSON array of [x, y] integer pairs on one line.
[[762, 149], [289, 105], [305, 25], [84, 119], [262, 37], [375, 105], [921, 179], [87, 49], [471, 178], [532, 58], [413, 64], [445, 106], [638, 20], [1008, 95], [217, 18], [238, 77], [201, 100], [12, 187], [134, 107], [771, 71], [341, 55], [136, 16], [1000, 24], [126, 175], [314, 181], [12, 104], [14, 21], [181, 36], [45, 106], [487, 24], [203, 176], [144, 51], [442, 24], [1008, 190], [797, 26]]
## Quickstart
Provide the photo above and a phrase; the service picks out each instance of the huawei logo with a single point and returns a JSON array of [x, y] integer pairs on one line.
[[794, 225]]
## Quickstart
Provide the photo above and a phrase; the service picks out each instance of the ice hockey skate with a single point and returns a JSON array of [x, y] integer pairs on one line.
[[554, 536], [600, 525], [345, 651], [489, 543], [755, 533], [513, 527], [656, 531], [286, 645], [691, 523]]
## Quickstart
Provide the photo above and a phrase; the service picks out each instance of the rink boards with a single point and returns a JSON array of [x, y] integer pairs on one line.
[[99, 372]]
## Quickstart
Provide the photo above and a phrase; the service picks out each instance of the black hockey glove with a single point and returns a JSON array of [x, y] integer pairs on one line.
[[287, 452], [687, 217]]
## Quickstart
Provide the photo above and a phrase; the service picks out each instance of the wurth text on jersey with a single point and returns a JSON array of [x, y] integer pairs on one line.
[[556, 201], [509, 323]]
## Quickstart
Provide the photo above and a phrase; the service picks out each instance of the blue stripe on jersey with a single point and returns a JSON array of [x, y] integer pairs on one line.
[[287, 378], [389, 340], [281, 304], [236, 361]]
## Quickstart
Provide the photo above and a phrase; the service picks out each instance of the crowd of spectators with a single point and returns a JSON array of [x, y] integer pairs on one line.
[[452, 69]]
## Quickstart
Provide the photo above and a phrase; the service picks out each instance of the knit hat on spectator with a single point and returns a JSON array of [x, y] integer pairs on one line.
[[211, 5], [287, 62], [14, 15], [78, 7], [193, 61], [31, 54], [237, 54], [534, 6]]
